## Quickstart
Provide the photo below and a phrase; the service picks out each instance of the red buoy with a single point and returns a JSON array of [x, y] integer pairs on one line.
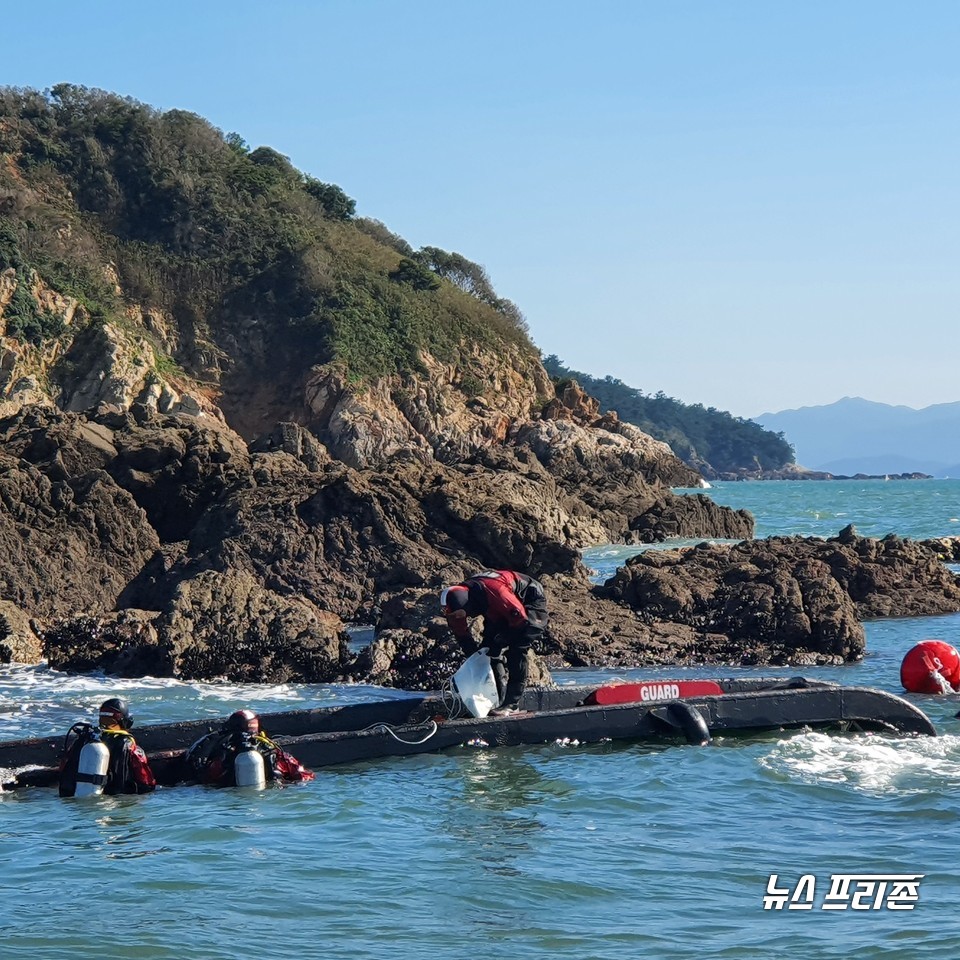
[[932, 666]]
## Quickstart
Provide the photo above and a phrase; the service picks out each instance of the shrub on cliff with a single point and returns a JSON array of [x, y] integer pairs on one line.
[[223, 237]]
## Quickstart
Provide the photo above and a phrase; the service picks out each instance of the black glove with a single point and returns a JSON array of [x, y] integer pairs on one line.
[[497, 645]]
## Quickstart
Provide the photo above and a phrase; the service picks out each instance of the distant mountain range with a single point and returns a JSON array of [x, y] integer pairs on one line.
[[855, 435]]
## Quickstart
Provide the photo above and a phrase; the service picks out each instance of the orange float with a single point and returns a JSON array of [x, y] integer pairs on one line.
[[932, 666]]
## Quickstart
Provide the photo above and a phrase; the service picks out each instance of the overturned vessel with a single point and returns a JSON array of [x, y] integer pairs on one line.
[[691, 711]]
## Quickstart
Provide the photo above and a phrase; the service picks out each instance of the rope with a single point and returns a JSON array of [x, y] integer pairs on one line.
[[386, 728], [453, 707], [934, 666], [451, 700], [941, 681]]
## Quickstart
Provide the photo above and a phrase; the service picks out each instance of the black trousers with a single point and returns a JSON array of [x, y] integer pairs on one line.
[[508, 653]]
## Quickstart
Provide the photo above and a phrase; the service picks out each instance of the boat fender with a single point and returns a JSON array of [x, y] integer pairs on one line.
[[686, 718], [932, 666], [249, 769], [92, 768]]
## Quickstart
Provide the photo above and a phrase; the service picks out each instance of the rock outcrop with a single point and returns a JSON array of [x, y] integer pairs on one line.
[[946, 548], [19, 642], [782, 597], [70, 543], [248, 564], [216, 626], [787, 600], [156, 544]]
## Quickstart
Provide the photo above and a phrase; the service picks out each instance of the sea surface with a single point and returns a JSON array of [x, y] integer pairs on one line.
[[613, 851]]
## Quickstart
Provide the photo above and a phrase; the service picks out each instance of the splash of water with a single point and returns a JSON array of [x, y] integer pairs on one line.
[[869, 763]]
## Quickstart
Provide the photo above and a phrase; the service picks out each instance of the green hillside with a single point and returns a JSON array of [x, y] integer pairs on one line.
[[252, 266], [698, 435], [101, 194]]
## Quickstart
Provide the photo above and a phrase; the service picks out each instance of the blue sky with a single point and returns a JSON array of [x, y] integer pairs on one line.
[[750, 205]]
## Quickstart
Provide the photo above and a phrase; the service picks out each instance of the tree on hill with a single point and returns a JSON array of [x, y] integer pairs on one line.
[[703, 437], [224, 237]]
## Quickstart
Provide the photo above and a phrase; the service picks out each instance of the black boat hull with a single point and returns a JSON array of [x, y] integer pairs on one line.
[[400, 727], [817, 708]]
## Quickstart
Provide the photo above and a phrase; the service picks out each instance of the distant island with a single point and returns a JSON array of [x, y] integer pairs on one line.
[[857, 437], [713, 442], [851, 439], [801, 473]]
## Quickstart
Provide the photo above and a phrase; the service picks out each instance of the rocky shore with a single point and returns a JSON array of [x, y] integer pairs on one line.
[[143, 543], [142, 535], [140, 543], [150, 526]]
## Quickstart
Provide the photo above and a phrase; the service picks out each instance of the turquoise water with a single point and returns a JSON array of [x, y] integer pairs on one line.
[[911, 508], [613, 851]]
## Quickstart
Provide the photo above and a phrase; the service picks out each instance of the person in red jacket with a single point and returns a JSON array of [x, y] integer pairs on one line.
[[129, 770], [212, 758], [514, 611]]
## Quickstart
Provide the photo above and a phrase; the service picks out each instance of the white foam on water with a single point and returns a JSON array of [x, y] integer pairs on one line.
[[42, 683], [37, 701], [869, 763], [41, 678]]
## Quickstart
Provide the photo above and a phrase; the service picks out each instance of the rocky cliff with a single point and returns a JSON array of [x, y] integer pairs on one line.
[[248, 561], [144, 534], [141, 543]]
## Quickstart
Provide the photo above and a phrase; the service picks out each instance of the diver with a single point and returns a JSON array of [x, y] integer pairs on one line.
[[105, 758], [241, 754]]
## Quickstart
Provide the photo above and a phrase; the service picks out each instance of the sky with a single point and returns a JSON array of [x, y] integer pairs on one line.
[[749, 204]]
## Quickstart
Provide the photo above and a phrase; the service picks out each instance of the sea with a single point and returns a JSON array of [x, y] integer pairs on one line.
[[614, 851]]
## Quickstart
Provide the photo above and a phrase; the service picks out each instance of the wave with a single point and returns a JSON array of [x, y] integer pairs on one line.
[[869, 763], [38, 701]]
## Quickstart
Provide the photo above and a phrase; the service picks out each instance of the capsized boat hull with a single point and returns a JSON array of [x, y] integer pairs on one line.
[[695, 720], [327, 736]]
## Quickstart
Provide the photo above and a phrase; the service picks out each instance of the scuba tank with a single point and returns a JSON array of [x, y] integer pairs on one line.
[[249, 769], [92, 768]]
